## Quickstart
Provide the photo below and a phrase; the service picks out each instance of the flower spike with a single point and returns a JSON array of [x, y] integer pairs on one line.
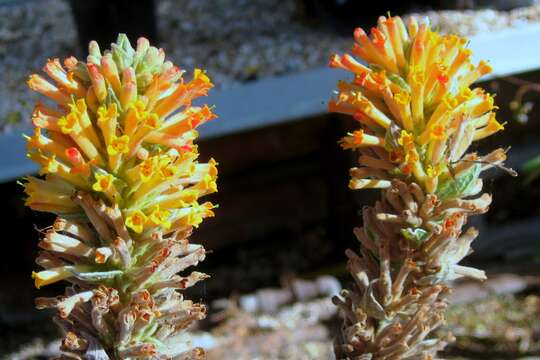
[[121, 170], [417, 115]]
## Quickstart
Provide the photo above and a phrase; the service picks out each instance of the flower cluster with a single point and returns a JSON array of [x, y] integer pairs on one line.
[[415, 107], [124, 130], [417, 116], [121, 170], [117, 131]]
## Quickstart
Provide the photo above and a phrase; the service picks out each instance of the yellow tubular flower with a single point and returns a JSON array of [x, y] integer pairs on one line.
[[160, 217], [53, 275], [136, 221], [418, 82], [103, 182]]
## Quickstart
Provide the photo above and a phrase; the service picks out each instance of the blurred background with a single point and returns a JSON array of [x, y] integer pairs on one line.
[[285, 210]]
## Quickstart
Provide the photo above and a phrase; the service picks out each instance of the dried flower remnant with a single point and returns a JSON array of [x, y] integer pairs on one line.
[[121, 171], [417, 117]]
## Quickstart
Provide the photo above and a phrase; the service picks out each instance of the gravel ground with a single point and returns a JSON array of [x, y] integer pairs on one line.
[[235, 40], [29, 33]]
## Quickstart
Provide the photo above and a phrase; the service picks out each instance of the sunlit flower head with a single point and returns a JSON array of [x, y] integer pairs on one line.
[[122, 127], [411, 95]]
